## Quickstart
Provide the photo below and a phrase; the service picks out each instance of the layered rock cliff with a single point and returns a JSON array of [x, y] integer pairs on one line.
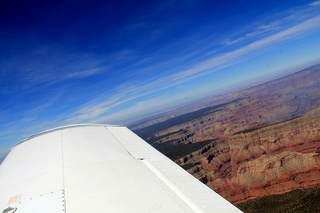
[[255, 142], [270, 160]]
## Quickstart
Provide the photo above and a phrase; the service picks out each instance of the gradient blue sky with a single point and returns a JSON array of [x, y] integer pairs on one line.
[[65, 62]]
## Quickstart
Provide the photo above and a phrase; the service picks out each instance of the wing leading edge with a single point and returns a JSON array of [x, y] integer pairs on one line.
[[91, 168]]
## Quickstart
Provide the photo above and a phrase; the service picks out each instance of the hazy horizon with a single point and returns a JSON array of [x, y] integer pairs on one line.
[[111, 62]]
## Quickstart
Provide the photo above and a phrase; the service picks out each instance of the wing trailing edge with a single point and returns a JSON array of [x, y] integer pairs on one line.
[[98, 168]]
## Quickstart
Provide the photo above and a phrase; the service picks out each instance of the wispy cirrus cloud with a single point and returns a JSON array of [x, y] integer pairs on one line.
[[259, 32], [316, 3], [273, 24], [154, 58], [52, 67], [46, 65], [51, 74], [83, 73], [244, 52], [97, 107]]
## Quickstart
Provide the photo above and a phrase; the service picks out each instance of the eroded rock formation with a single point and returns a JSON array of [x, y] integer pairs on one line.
[[265, 139], [270, 160]]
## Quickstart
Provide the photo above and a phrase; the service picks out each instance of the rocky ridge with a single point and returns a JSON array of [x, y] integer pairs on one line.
[[270, 160], [253, 143]]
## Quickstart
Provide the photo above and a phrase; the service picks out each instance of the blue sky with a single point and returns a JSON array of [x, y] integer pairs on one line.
[[65, 62]]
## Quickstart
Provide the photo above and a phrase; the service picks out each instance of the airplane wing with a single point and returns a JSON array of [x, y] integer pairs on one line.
[[98, 168]]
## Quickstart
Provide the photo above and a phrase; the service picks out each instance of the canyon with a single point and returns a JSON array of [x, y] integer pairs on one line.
[[270, 160], [247, 144]]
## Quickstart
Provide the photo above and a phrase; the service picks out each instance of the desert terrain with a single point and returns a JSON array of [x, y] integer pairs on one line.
[[248, 144]]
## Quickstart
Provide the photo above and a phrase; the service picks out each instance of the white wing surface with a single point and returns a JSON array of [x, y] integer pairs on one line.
[[98, 168]]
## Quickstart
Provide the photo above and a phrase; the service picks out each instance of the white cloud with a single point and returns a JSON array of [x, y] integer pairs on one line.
[[231, 57], [50, 64], [146, 107], [273, 24], [94, 110], [316, 3], [126, 93], [83, 73]]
